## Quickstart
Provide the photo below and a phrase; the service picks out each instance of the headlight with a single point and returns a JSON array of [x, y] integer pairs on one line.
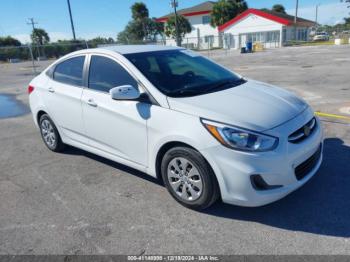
[[240, 139]]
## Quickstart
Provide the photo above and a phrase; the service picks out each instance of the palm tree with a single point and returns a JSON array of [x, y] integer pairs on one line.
[[140, 14], [40, 36], [225, 10], [139, 11], [279, 9], [183, 26]]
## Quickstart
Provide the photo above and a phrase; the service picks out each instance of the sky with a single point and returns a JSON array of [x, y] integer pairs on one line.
[[108, 17]]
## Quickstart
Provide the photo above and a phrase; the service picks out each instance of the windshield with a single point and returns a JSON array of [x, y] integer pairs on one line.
[[180, 73]]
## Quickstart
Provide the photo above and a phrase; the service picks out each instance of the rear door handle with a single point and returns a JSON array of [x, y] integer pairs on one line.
[[91, 102], [51, 90]]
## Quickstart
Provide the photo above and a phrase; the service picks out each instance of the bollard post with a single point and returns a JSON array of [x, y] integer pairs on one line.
[[208, 46]]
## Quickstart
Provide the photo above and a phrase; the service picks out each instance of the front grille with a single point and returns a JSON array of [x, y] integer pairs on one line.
[[308, 165], [303, 132]]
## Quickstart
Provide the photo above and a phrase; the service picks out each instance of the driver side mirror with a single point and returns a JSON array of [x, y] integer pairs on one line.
[[125, 92]]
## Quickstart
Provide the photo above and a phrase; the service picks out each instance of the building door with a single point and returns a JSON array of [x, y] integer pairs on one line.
[[242, 40]]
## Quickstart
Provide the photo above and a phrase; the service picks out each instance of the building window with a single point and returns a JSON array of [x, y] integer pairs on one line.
[[209, 39], [206, 19], [302, 34]]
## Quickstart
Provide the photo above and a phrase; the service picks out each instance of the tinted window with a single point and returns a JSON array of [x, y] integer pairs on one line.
[[183, 73], [70, 71], [106, 74]]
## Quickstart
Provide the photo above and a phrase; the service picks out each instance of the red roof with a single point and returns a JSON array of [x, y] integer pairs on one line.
[[200, 9], [283, 19], [164, 19]]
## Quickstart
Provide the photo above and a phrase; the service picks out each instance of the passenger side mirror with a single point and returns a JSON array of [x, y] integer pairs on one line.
[[125, 92]]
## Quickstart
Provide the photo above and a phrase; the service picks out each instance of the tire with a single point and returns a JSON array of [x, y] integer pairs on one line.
[[50, 135], [189, 178]]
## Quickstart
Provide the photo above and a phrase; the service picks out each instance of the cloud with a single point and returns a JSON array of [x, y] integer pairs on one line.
[[329, 14]]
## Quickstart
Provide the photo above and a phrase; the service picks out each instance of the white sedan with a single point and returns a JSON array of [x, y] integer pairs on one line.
[[321, 36], [205, 131]]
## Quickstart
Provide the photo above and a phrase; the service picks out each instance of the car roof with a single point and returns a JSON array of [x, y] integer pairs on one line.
[[131, 49]]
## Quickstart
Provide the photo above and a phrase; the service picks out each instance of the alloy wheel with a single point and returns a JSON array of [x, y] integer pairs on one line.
[[185, 179], [48, 133]]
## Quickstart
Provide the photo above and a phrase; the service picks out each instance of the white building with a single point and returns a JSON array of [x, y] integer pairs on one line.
[[270, 28], [203, 35]]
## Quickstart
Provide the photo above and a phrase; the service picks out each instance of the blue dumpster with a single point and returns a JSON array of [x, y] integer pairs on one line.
[[249, 47]]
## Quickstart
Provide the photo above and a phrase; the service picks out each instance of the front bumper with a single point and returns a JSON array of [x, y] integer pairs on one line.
[[234, 168]]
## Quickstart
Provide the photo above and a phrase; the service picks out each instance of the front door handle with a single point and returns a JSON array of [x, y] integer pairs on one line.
[[51, 90], [91, 102]]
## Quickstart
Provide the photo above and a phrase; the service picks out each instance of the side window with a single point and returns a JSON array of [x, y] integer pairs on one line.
[[70, 71], [105, 74]]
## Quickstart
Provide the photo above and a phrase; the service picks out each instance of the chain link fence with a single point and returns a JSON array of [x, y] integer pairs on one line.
[[227, 41], [207, 44], [37, 53]]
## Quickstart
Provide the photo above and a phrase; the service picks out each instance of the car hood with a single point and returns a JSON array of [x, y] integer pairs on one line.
[[253, 105]]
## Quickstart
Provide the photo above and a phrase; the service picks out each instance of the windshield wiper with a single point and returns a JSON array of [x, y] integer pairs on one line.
[[191, 90], [226, 83]]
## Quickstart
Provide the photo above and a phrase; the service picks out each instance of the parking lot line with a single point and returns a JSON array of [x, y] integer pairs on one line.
[[331, 115]]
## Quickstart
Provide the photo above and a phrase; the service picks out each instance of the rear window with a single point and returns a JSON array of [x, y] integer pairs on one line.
[[70, 71]]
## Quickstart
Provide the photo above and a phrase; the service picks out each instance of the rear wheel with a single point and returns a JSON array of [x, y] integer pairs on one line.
[[189, 178], [50, 135]]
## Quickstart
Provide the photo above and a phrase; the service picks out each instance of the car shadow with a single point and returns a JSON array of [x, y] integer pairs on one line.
[[321, 206], [76, 151]]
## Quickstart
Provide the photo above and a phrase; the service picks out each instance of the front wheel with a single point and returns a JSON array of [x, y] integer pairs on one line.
[[189, 178]]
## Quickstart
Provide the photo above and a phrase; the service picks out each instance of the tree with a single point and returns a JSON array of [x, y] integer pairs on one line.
[[40, 36], [138, 31], [139, 11], [153, 29], [183, 26], [225, 10], [141, 28], [242, 4], [279, 9], [346, 2], [9, 41], [99, 41]]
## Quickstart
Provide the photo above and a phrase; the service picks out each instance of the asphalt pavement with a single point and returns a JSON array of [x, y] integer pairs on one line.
[[78, 203]]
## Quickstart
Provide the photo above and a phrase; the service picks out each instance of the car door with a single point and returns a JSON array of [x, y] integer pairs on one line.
[[63, 97], [116, 127]]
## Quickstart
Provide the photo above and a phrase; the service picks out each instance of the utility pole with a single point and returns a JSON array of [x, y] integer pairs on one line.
[[316, 19], [71, 19], [296, 19], [174, 4], [33, 23]]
